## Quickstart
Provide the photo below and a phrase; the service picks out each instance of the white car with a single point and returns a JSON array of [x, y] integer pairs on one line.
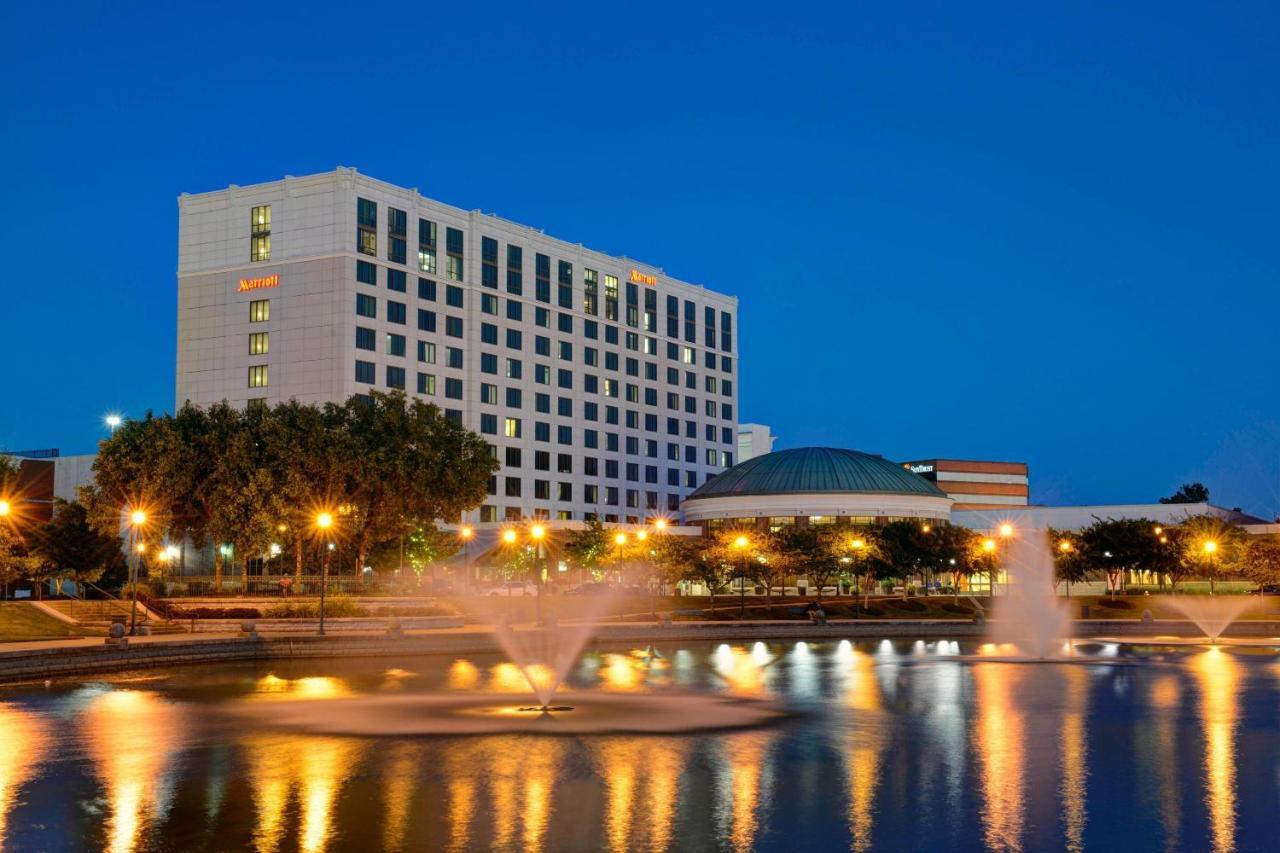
[[512, 588]]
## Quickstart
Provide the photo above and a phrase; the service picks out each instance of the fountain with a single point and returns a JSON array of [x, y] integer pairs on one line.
[[1031, 616], [1212, 614], [544, 655]]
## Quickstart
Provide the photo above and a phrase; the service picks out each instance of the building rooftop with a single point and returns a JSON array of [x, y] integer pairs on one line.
[[809, 470]]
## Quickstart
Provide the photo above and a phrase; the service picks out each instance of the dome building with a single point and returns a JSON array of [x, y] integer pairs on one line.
[[814, 485]]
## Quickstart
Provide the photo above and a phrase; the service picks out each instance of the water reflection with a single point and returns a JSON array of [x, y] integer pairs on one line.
[[1219, 675], [133, 738], [1073, 762], [998, 742], [521, 772], [744, 787], [23, 741], [310, 769], [863, 740], [1158, 751], [641, 780], [744, 673], [399, 782]]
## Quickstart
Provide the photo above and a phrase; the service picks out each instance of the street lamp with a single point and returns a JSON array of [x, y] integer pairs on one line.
[[113, 421], [659, 524], [466, 533], [1210, 548], [324, 521], [538, 533], [137, 520], [5, 508], [740, 544]]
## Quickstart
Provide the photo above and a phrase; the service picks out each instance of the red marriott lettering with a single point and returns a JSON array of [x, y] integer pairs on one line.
[[259, 283]]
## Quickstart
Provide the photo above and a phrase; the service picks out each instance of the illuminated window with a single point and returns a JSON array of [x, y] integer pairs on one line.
[[611, 297], [590, 291], [427, 384], [689, 357], [397, 223], [426, 352], [454, 270], [511, 428], [453, 250], [258, 376], [258, 343], [260, 233], [259, 310]]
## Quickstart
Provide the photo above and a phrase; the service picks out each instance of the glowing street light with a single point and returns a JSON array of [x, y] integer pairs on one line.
[[537, 532], [1210, 548], [988, 545], [5, 508], [324, 522], [1064, 545], [659, 524], [137, 520], [1006, 530], [466, 532], [641, 535], [509, 536], [112, 421], [740, 544], [620, 539]]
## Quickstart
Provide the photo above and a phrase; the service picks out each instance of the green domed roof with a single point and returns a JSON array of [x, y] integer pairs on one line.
[[807, 470]]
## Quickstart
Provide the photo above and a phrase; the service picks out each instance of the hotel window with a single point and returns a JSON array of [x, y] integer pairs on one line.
[[259, 310], [426, 245], [366, 306], [427, 384], [258, 376], [690, 323], [365, 372], [590, 292], [396, 280], [564, 294], [542, 278], [650, 311], [366, 227], [453, 251], [489, 424], [395, 344], [510, 428], [515, 274], [512, 489], [453, 357], [258, 343], [260, 233], [426, 352], [427, 289], [489, 262], [397, 234], [726, 331], [453, 296], [513, 368], [366, 273], [633, 305], [453, 388], [489, 304], [611, 297], [515, 310], [688, 356], [395, 377], [426, 320], [488, 394], [515, 398], [395, 312], [366, 339], [709, 323], [453, 326]]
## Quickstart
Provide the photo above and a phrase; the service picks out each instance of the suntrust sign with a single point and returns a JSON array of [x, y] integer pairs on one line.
[[919, 469], [640, 278], [259, 283]]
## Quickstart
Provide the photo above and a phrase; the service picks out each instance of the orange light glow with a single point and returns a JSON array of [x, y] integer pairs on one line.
[[509, 536], [466, 532]]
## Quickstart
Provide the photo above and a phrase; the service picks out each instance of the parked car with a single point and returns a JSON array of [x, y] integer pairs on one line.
[[1266, 589], [513, 588]]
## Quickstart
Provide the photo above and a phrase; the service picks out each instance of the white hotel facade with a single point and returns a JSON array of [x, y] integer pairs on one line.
[[606, 388]]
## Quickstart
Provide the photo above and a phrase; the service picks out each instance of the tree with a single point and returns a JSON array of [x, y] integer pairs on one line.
[[1069, 560], [691, 559], [407, 464], [1120, 546], [590, 548], [1260, 559], [811, 551], [72, 548], [1188, 493], [1211, 547], [950, 549]]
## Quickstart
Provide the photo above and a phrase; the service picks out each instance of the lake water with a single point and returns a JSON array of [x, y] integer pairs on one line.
[[893, 746]]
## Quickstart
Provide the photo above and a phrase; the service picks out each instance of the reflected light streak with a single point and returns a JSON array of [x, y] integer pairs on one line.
[[1074, 759], [1219, 675], [744, 787], [325, 764], [463, 675], [131, 737], [23, 742], [998, 742], [642, 779], [399, 781]]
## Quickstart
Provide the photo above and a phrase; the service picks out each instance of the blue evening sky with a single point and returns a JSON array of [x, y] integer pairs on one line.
[[1040, 232]]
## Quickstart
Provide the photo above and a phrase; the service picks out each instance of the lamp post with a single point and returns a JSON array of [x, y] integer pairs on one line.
[[112, 421], [538, 534], [324, 521], [740, 544], [1210, 548], [137, 518], [466, 533], [989, 548], [857, 544], [620, 542]]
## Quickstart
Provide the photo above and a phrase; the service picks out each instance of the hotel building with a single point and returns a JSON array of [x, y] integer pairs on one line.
[[606, 388]]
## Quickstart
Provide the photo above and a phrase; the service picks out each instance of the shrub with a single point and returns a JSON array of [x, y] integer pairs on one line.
[[216, 613], [1115, 603], [335, 606], [909, 605], [961, 609]]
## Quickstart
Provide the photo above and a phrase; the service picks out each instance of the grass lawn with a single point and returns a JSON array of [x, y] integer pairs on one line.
[[20, 621]]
